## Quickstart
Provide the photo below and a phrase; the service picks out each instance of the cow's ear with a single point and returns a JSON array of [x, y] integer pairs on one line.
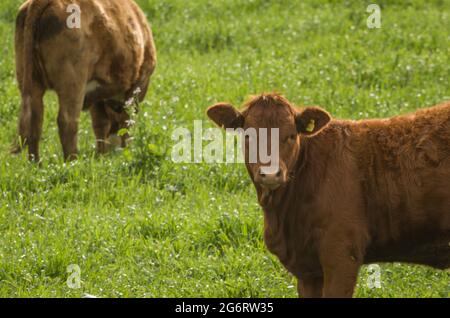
[[311, 120], [225, 116]]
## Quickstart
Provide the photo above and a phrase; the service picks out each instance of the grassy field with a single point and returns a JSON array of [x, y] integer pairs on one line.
[[139, 225]]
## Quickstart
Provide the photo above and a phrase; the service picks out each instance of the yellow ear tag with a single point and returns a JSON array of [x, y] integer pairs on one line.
[[311, 125]]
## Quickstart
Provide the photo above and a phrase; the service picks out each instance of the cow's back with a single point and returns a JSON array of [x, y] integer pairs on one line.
[[404, 165], [112, 50]]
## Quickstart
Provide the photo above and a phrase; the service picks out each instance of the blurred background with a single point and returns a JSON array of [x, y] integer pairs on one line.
[[139, 225]]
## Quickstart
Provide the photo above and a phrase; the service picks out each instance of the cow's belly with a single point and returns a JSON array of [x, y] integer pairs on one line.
[[432, 249], [96, 92]]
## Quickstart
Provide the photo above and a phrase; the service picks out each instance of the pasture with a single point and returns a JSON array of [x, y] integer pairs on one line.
[[139, 225]]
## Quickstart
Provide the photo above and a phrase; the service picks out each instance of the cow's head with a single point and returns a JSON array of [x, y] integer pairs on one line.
[[119, 119], [272, 111]]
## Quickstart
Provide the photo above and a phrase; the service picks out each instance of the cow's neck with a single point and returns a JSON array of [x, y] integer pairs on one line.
[[281, 208]]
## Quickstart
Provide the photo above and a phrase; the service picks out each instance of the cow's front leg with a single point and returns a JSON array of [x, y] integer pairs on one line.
[[70, 105], [340, 280], [340, 264], [101, 125], [310, 286]]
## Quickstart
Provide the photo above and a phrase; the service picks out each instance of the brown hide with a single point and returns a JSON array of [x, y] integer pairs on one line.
[[358, 191], [97, 66]]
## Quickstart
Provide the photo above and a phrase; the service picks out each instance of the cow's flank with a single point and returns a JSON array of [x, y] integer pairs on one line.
[[97, 67], [350, 192]]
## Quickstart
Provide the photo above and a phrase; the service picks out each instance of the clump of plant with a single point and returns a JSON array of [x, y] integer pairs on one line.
[[144, 147]]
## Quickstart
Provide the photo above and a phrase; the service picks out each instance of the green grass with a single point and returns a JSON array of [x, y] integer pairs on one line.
[[139, 225]]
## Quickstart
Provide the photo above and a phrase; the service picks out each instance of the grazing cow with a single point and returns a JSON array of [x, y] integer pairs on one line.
[[97, 64], [348, 192]]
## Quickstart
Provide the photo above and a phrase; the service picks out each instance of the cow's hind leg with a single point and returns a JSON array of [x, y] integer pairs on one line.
[[70, 105], [101, 125], [30, 123]]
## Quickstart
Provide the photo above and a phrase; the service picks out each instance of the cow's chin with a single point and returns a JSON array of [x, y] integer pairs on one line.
[[271, 187]]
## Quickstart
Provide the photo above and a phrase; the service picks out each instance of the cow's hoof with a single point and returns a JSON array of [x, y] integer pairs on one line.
[[15, 149]]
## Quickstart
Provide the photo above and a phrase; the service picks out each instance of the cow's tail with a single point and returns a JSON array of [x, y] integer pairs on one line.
[[35, 10]]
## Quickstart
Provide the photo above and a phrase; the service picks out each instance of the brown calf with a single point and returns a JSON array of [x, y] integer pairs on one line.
[[96, 66], [350, 192]]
